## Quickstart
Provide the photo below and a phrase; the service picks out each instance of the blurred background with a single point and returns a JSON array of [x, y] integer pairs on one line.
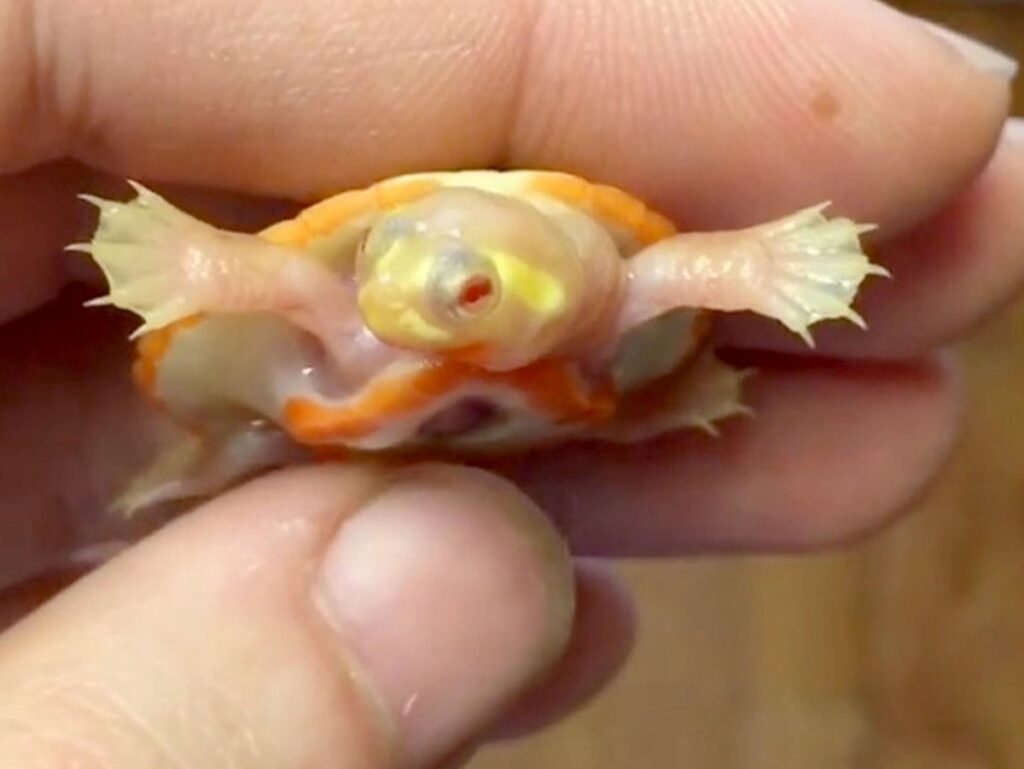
[[904, 652]]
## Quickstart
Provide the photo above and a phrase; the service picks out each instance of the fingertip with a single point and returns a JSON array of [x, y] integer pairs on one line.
[[459, 563]]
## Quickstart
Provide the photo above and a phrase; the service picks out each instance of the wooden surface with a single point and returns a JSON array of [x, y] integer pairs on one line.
[[906, 653]]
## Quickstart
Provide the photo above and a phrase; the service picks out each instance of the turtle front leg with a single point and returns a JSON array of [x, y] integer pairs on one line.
[[165, 265], [799, 270]]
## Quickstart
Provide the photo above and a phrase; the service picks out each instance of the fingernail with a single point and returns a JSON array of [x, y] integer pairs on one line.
[[983, 57], [1014, 130], [452, 592]]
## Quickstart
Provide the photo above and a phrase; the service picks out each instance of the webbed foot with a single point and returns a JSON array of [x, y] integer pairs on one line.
[[142, 247], [815, 270]]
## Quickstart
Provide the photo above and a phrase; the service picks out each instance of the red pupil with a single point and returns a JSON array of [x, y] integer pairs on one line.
[[475, 291]]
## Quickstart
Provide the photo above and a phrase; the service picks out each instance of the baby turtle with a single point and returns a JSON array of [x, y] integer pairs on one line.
[[448, 313]]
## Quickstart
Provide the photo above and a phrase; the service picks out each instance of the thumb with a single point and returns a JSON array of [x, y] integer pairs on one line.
[[323, 617]]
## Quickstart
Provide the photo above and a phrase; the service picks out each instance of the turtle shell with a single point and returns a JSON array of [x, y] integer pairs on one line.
[[326, 226]]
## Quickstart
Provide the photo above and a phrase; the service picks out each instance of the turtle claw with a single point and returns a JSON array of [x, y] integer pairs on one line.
[[856, 319], [879, 270], [101, 203], [708, 427]]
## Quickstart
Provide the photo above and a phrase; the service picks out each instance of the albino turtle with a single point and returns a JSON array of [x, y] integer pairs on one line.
[[462, 312]]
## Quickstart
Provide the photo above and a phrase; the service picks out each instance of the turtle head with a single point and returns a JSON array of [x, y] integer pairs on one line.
[[471, 275]]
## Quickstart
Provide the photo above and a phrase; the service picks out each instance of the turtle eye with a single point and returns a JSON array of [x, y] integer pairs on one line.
[[475, 295], [464, 284]]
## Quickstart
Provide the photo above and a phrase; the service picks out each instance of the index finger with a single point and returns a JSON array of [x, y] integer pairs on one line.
[[720, 112]]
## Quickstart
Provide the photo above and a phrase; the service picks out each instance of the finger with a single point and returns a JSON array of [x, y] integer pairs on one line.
[[319, 617], [833, 451], [825, 100], [601, 641], [949, 273], [602, 638]]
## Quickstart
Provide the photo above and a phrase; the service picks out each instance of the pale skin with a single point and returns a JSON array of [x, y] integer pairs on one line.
[[950, 232]]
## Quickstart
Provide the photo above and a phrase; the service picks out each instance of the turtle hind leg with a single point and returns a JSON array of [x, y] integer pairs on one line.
[[194, 467], [698, 396]]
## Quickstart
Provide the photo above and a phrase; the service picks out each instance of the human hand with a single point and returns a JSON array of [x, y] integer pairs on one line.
[[267, 628]]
